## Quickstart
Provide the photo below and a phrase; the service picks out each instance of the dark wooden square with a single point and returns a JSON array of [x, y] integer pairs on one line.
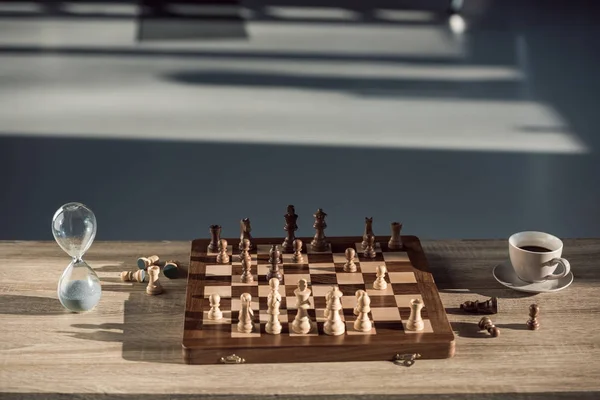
[[323, 279], [339, 267], [399, 266], [405, 312], [405, 288], [217, 280], [383, 301], [320, 258], [237, 291], [351, 288], [296, 268], [361, 257]]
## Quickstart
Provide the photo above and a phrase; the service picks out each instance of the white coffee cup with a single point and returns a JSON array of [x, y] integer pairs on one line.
[[537, 266]]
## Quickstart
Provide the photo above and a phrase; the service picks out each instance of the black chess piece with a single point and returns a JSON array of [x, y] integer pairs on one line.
[[533, 323], [318, 243], [290, 227]]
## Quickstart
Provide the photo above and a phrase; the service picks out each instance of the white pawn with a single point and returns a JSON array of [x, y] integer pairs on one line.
[[273, 303], [222, 257], [380, 283], [301, 324], [358, 294], [215, 311], [297, 257], [334, 325], [349, 266], [363, 323], [245, 320]]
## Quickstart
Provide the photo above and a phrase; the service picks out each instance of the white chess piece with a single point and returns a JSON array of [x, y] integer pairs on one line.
[[350, 254], [222, 257], [327, 300], [245, 319], [415, 321], [363, 323], [215, 302], [273, 326], [358, 295], [380, 283], [301, 324], [334, 325]]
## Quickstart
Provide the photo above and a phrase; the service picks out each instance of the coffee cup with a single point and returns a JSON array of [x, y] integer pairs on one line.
[[535, 256]]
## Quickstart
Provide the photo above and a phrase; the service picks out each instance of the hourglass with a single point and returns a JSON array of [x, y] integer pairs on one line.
[[74, 229]]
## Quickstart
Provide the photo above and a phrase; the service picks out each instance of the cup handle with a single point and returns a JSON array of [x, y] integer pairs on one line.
[[562, 262]]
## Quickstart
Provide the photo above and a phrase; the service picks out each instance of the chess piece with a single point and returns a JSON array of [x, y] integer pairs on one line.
[[368, 231], [328, 297], [247, 276], [349, 266], [245, 230], [533, 323], [275, 261], [370, 247], [131, 276], [273, 326], [380, 282], [415, 321], [319, 243], [358, 295], [145, 262], [222, 257], [297, 257], [395, 242], [275, 255], [245, 249], [489, 306], [246, 314], [301, 324], [290, 227], [363, 323], [215, 236], [154, 286], [171, 269], [334, 325], [486, 324], [215, 302]]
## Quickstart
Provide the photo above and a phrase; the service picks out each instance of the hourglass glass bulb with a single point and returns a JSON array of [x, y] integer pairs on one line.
[[79, 288], [74, 228]]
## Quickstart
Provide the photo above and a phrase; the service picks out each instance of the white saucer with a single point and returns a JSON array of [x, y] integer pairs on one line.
[[505, 274]]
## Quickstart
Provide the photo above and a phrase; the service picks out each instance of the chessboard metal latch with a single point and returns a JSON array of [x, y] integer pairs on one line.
[[406, 360], [232, 359]]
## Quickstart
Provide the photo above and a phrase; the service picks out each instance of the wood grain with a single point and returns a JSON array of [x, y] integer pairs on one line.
[[131, 343]]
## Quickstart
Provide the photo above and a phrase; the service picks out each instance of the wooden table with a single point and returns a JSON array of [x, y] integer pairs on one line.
[[130, 344]]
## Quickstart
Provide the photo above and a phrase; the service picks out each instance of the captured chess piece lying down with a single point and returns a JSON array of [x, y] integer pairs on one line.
[[486, 324], [489, 306]]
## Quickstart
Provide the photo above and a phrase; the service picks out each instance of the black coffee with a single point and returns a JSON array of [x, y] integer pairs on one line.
[[536, 249]]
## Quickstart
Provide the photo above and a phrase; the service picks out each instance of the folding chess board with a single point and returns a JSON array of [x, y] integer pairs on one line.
[[216, 341]]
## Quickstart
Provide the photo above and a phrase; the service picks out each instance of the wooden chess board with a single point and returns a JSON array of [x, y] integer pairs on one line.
[[208, 341]]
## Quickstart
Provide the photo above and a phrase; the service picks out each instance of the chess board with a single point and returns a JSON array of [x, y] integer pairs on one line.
[[212, 341]]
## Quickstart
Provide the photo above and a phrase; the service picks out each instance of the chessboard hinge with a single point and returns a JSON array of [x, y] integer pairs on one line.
[[232, 359], [406, 360]]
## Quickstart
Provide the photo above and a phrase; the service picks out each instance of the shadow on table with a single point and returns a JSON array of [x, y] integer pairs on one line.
[[30, 305], [462, 396]]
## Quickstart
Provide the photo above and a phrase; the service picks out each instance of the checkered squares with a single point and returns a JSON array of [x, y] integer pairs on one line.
[[389, 308]]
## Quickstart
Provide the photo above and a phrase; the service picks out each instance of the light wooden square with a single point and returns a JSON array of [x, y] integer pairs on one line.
[[346, 278], [255, 331], [427, 328], [374, 292], [348, 301], [225, 320], [223, 291], [402, 277], [350, 330], [370, 267], [382, 314], [396, 256], [403, 300], [218, 270], [320, 290], [322, 268], [320, 315]]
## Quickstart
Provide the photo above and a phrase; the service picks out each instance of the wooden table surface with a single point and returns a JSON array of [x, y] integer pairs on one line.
[[130, 345]]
